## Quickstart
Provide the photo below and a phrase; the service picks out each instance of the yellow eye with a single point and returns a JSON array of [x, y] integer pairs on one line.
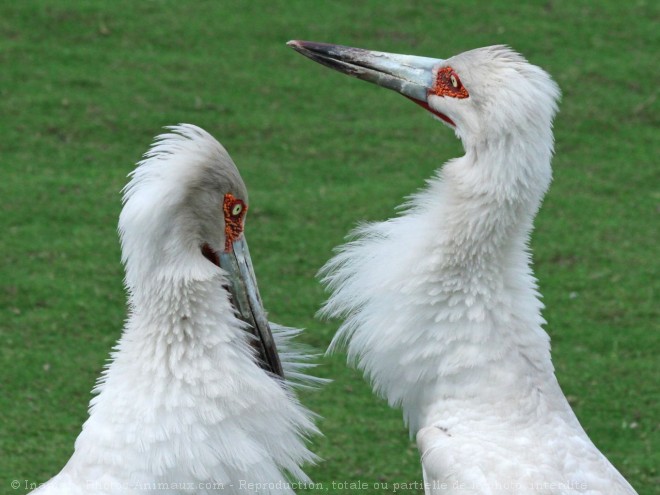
[[237, 209], [454, 81]]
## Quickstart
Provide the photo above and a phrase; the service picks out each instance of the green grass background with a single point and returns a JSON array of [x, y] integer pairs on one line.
[[85, 85]]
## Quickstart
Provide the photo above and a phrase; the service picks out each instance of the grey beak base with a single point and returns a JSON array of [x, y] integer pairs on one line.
[[247, 302]]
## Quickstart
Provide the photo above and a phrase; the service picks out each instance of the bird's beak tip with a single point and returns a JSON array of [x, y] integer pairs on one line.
[[307, 48], [297, 45]]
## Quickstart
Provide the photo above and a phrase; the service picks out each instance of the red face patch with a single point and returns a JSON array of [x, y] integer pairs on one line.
[[448, 84], [234, 210]]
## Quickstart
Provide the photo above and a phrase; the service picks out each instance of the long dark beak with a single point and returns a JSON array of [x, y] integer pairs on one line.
[[409, 75], [247, 301]]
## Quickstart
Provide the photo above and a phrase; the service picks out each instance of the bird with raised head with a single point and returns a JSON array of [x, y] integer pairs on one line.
[[440, 305], [195, 398]]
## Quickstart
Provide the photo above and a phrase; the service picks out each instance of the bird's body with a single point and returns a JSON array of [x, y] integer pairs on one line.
[[454, 338], [441, 308], [184, 405]]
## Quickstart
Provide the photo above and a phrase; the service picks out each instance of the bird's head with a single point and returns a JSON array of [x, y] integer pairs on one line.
[[481, 94], [183, 221], [185, 204]]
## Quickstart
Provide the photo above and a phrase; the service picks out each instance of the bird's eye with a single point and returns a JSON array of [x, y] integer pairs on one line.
[[234, 209], [448, 84], [234, 212]]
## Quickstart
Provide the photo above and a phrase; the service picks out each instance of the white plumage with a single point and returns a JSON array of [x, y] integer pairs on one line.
[[184, 406], [441, 308]]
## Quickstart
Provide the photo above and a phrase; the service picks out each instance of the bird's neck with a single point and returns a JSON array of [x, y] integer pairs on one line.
[[480, 283], [177, 319], [512, 169], [171, 376], [441, 303], [480, 208]]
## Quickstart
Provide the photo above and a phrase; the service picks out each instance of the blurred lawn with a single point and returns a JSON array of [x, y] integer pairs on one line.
[[85, 85]]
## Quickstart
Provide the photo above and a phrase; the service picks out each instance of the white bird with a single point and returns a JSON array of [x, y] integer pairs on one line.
[[441, 307], [191, 401]]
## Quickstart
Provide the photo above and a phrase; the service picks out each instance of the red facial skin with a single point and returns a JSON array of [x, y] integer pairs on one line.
[[234, 210], [448, 85]]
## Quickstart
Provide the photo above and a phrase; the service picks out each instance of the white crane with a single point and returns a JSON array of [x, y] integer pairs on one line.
[[441, 308], [195, 398]]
